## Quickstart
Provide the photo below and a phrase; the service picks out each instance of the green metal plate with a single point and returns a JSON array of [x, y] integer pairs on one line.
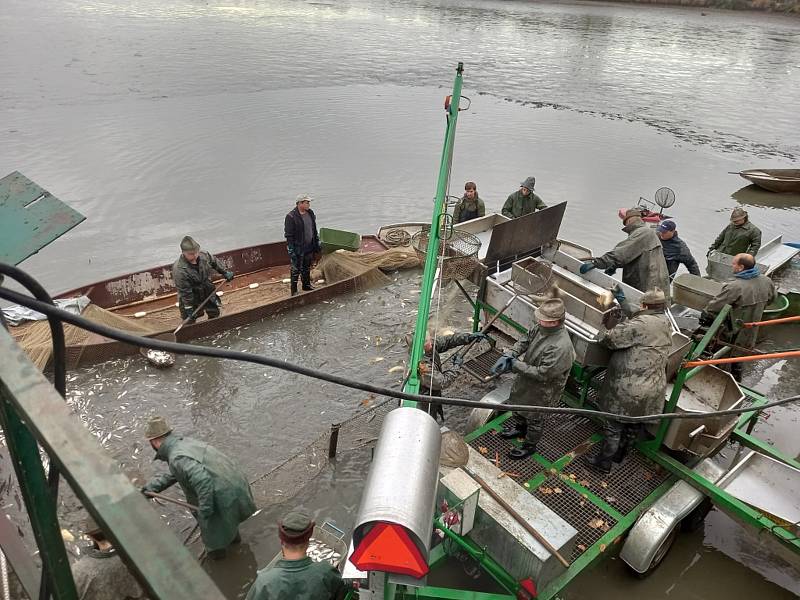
[[30, 218]]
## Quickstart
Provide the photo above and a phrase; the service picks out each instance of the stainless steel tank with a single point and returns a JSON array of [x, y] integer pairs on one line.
[[402, 481]]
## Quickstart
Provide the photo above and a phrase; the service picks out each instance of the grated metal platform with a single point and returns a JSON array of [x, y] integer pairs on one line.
[[628, 484], [480, 366], [494, 448], [590, 521]]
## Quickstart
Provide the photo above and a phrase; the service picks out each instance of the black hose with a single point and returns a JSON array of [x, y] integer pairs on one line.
[[59, 375], [193, 350]]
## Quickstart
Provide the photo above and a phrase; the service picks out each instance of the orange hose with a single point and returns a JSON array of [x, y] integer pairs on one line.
[[772, 322], [737, 359]]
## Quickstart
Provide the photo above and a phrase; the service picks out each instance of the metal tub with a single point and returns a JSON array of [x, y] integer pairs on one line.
[[711, 389]]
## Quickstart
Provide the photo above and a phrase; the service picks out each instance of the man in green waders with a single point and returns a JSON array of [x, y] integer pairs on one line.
[[296, 576], [210, 481]]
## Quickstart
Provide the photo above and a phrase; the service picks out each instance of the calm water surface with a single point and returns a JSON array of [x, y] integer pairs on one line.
[[157, 119]]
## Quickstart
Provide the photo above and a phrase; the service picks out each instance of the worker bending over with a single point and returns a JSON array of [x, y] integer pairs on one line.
[[210, 481]]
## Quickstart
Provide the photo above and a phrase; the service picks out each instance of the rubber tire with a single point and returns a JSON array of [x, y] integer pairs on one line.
[[695, 519], [662, 551]]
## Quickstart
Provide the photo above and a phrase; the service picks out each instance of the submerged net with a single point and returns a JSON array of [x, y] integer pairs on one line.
[[366, 267], [34, 336], [287, 479]]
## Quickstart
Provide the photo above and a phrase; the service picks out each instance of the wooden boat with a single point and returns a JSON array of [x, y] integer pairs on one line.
[[152, 292], [774, 180]]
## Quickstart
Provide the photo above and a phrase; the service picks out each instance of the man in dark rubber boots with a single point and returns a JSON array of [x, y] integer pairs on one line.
[[209, 480], [191, 275], [302, 241], [542, 362], [636, 379]]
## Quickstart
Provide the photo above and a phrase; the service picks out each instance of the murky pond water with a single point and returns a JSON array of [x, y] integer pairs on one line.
[[157, 119]]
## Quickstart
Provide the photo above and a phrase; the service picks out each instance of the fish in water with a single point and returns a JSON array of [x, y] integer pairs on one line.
[[159, 358]]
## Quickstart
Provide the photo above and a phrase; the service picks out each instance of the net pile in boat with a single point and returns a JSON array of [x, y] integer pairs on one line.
[[458, 251], [367, 267], [34, 336]]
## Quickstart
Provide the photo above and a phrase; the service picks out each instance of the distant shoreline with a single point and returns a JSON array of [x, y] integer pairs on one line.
[[781, 7]]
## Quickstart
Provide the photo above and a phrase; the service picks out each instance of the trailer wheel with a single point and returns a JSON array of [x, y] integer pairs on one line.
[[662, 551], [695, 519]]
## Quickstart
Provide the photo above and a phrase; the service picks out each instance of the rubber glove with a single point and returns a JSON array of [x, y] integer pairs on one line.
[[291, 251], [503, 365], [477, 336], [228, 275], [619, 295], [458, 359], [586, 267], [706, 319], [610, 271]]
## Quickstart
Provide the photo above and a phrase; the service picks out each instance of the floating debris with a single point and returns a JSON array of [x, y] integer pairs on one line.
[[160, 359], [140, 314], [397, 369]]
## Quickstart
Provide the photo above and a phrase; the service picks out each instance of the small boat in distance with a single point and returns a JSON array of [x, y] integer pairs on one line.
[[774, 180]]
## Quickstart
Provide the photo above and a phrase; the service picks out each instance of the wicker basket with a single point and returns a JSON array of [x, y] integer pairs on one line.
[[459, 249]]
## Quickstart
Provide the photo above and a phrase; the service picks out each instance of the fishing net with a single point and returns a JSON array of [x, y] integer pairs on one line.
[[287, 479], [458, 249], [34, 336], [367, 267]]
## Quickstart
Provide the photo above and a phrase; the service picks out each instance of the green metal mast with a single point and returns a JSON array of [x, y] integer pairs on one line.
[[426, 291]]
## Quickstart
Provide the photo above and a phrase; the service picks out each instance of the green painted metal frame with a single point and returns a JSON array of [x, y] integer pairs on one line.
[[748, 515], [431, 258], [439, 593], [31, 218], [32, 411]]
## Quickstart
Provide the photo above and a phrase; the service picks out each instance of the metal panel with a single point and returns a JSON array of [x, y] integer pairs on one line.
[[26, 570], [163, 565], [30, 218], [519, 237], [505, 539], [401, 485]]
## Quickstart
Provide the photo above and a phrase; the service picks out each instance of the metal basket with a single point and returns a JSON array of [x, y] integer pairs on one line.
[[459, 249]]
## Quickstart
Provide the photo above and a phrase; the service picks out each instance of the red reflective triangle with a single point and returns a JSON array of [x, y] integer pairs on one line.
[[388, 548]]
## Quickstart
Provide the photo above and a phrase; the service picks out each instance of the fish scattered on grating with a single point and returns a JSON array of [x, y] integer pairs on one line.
[[319, 551]]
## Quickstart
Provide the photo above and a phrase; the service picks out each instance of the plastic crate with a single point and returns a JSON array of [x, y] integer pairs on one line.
[[335, 239]]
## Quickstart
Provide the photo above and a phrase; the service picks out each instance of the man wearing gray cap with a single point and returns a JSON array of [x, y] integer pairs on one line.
[[739, 237], [210, 481], [191, 274], [639, 255], [295, 576], [635, 381], [542, 362], [302, 241], [524, 201], [100, 573]]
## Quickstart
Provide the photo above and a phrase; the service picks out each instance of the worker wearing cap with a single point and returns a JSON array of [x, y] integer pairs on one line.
[[295, 576], [676, 252], [470, 206], [635, 381], [100, 574], [739, 237], [639, 256], [433, 373], [191, 274], [748, 293], [302, 241], [209, 480], [541, 361], [524, 201]]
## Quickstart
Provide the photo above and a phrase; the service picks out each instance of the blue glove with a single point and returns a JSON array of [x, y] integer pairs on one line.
[[477, 336], [619, 295], [586, 267], [458, 360], [610, 271], [503, 365], [228, 275]]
